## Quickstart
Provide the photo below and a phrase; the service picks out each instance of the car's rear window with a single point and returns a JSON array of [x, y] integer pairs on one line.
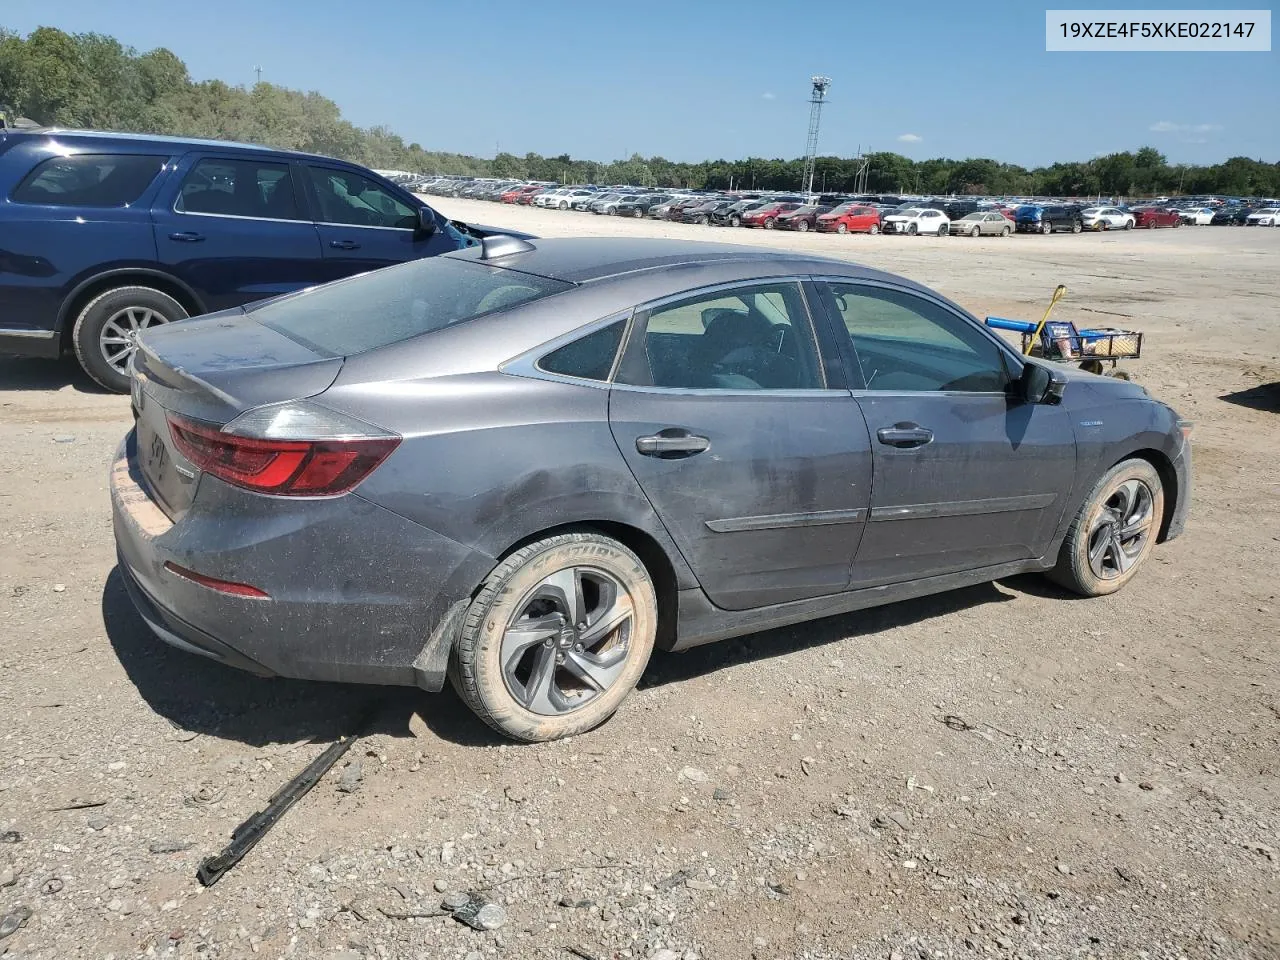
[[388, 306], [89, 180]]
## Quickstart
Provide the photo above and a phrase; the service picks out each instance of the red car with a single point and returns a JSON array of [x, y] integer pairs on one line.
[[850, 218], [803, 219], [1152, 217], [767, 216], [525, 195]]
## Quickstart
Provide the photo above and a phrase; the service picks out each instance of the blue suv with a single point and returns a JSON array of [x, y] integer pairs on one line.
[[102, 235]]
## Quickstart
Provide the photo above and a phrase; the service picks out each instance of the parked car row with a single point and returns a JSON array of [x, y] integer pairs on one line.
[[834, 213]]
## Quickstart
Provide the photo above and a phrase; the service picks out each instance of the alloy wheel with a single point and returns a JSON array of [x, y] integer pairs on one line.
[[119, 337], [1121, 530], [569, 640]]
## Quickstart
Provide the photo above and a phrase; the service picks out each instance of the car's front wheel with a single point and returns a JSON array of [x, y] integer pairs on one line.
[[974, 232], [557, 637], [106, 331], [1114, 531]]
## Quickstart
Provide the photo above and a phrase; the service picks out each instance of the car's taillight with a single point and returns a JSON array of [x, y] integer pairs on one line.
[[291, 450]]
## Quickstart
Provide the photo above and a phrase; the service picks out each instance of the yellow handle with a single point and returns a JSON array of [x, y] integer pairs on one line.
[[1059, 292]]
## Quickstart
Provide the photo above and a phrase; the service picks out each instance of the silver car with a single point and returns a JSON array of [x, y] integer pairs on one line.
[[981, 223], [526, 465]]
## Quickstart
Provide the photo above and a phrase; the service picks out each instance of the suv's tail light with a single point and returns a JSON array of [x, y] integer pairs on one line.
[[295, 449]]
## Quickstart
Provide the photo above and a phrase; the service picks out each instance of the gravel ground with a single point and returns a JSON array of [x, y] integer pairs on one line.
[[1000, 771]]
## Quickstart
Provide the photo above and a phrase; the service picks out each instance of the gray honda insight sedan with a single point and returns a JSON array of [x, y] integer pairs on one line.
[[525, 465]]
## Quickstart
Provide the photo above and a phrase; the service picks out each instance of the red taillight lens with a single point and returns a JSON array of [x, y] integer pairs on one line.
[[287, 468], [213, 583]]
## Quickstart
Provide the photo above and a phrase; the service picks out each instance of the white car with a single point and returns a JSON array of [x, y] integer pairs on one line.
[[916, 220], [568, 197], [1106, 218], [1266, 217], [1197, 216]]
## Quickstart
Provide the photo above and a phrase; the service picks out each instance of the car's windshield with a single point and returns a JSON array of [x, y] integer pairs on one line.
[[387, 306], [974, 216], [909, 212]]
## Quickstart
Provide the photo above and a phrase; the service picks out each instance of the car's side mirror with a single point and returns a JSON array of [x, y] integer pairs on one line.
[[426, 221], [1041, 384]]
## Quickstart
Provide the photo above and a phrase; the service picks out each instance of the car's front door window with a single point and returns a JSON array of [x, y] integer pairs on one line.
[[346, 197], [904, 342], [755, 337]]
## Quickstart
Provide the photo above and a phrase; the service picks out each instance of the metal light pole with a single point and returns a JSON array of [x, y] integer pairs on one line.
[[817, 99]]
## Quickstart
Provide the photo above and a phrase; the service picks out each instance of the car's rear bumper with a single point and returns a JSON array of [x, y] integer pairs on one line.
[[355, 591]]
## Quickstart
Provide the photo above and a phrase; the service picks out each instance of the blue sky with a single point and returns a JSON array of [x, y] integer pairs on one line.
[[698, 80]]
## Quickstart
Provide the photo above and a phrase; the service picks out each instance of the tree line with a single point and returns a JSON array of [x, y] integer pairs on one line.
[[91, 80]]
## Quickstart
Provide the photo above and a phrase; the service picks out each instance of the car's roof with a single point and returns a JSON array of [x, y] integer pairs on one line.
[[113, 136], [592, 259]]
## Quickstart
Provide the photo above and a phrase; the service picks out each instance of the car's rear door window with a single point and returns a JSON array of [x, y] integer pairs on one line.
[[755, 337], [394, 304], [89, 180], [257, 189]]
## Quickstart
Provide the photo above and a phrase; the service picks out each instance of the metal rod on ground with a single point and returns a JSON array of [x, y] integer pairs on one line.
[[246, 836]]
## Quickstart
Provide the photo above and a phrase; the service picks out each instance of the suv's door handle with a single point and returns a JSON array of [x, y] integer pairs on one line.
[[905, 435], [671, 445], [344, 245], [187, 236]]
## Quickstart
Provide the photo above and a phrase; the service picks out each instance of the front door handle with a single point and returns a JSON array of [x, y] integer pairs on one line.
[[671, 445], [187, 236], [905, 435], [344, 245]]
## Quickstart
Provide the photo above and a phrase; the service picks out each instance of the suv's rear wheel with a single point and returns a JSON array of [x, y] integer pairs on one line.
[[106, 331], [557, 637]]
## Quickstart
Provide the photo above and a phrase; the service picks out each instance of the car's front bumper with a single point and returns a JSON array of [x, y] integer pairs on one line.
[[355, 591]]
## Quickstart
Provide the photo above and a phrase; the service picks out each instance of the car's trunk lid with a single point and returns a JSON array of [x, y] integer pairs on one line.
[[211, 369]]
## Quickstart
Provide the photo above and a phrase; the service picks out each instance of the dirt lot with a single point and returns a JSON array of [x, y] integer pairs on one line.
[[1113, 792]]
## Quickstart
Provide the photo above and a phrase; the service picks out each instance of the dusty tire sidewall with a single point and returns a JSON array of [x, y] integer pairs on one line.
[[1122, 472], [94, 316], [491, 686]]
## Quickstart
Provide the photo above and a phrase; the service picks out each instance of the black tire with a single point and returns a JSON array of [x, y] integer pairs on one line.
[[802, 226], [1046, 227], [638, 212], [1128, 225], [769, 224], [842, 228], [476, 669], [1004, 231], [1074, 570], [107, 307], [976, 231], [873, 229], [911, 230], [1076, 226], [735, 221]]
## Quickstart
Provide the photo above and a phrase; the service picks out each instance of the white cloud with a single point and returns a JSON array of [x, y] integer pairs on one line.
[[768, 96], [910, 138], [1168, 126]]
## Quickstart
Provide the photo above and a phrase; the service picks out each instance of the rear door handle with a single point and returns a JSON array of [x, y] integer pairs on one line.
[[344, 245], [187, 236], [671, 445], [905, 435]]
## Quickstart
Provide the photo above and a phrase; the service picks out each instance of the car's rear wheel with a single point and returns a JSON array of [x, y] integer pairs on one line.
[[873, 229], [106, 331], [1076, 226], [638, 212], [1114, 532], [1046, 227], [1004, 231], [1151, 224], [1128, 225], [557, 637]]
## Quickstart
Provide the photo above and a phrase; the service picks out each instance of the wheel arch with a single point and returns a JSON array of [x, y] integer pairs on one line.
[[87, 289], [1168, 480]]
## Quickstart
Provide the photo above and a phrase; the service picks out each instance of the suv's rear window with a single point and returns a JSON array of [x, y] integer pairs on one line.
[[394, 304], [88, 180]]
